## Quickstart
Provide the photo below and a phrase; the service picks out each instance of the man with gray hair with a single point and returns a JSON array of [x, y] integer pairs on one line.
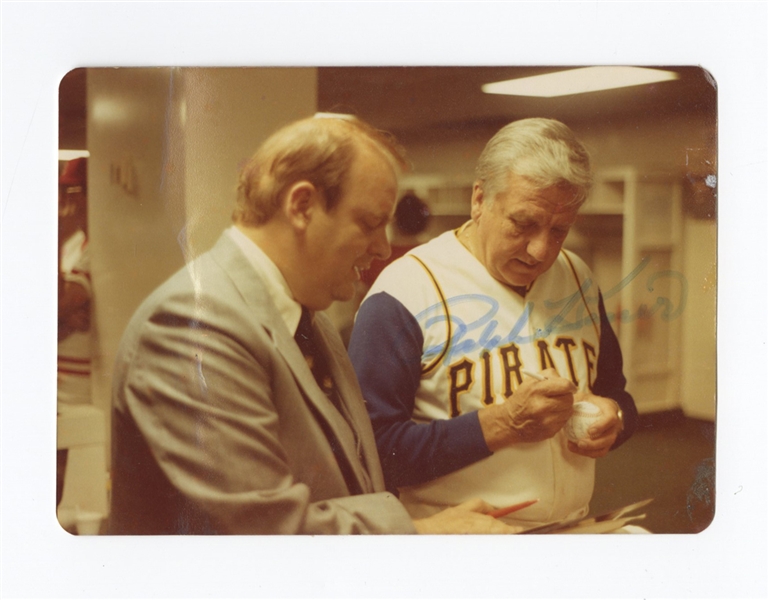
[[472, 350], [235, 407]]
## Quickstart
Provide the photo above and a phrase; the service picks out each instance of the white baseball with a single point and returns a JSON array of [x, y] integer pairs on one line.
[[584, 415]]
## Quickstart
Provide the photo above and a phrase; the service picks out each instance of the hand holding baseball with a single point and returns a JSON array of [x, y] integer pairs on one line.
[[603, 432], [535, 412]]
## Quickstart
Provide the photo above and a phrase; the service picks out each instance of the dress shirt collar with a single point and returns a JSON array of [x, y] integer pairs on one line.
[[290, 310]]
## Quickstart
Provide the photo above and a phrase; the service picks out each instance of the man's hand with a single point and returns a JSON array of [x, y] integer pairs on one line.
[[603, 433], [468, 517], [535, 412]]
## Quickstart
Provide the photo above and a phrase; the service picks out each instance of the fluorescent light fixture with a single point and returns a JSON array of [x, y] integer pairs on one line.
[[329, 115], [578, 81], [71, 154]]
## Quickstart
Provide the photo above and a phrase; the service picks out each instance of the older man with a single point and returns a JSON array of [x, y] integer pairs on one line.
[[236, 409], [444, 339]]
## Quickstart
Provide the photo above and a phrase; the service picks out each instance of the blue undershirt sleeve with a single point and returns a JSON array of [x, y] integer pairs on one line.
[[386, 352], [610, 381]]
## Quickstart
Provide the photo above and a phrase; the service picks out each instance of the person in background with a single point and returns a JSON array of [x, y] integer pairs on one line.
[[411, 218], [73, 376], [235, 407], [444, 339]]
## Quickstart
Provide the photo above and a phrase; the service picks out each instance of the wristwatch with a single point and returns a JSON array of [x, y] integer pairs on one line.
[[621, 418]]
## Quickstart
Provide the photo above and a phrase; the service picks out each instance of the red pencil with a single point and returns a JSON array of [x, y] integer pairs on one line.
[[501, 512]]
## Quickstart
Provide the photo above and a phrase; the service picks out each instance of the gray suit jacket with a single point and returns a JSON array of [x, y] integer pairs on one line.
[[218, 424]]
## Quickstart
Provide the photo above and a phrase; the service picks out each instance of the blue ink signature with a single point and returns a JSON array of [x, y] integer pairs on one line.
[[573, 314]]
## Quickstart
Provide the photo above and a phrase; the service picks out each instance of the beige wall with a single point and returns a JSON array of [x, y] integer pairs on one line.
[[675, 143], [133, 247], [698, 372], [180, 135], [229, 112], [682, 145]]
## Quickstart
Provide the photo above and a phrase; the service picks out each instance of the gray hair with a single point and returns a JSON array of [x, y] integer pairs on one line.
[[544, 151]]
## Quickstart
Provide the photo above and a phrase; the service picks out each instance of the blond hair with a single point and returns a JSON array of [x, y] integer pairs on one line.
[[318, 150]]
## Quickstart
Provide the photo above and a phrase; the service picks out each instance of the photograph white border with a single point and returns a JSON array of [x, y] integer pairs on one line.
[[43, 41]]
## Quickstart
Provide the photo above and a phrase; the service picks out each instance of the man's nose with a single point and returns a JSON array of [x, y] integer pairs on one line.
[[538, 245], [380, 246]]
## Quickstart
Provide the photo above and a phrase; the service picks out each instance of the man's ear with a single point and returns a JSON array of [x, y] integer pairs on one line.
[[477, 202], [302, 201]]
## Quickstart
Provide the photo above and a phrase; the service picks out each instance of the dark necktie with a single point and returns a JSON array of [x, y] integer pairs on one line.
[[305, 339]]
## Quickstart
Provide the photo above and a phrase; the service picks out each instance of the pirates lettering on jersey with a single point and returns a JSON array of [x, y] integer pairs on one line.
[[487, 397], [545, 360], [567, 344], [504, 367], [511, 364], [460, 381], [590, 361]]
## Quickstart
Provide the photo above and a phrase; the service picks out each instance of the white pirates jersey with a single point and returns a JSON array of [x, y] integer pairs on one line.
[[478, 336]]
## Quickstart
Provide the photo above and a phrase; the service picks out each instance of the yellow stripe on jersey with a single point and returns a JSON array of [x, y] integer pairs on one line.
[[437, 361], [579, 287]]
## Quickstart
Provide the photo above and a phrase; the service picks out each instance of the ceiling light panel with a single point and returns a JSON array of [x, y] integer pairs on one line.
[[578, 81], [72, 154]]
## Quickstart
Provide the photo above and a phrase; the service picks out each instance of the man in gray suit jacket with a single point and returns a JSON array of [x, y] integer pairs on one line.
[[221, 424]]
